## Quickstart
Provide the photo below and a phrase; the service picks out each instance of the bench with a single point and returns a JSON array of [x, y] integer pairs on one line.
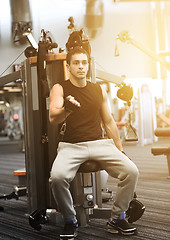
[[162, 147]]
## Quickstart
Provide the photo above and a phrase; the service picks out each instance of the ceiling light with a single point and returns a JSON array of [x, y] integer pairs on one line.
[[7, 104]]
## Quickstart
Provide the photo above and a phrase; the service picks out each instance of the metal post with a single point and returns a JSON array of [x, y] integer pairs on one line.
[[168, 161]]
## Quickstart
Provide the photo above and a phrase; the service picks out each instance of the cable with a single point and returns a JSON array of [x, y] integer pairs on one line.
[[11, 63], [101, 66]]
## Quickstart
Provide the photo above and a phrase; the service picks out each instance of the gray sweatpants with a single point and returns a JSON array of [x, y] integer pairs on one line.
[[116, 164]]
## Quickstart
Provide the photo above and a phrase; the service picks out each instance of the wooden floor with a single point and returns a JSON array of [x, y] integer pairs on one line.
[[153, 190]]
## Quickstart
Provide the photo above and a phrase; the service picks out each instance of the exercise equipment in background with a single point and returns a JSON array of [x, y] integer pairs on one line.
[[125, 93]]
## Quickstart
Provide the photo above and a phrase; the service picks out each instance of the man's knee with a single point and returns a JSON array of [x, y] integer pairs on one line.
[[56, 177], [129, 171], [134, 172]]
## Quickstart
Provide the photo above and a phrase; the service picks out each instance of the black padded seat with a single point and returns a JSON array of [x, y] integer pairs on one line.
[[90, 166]]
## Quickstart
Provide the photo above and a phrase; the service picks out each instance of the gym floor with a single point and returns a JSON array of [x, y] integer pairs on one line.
[[153, 190]]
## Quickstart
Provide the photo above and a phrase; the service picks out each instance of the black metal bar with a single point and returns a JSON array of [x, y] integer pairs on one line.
[[10, 78]]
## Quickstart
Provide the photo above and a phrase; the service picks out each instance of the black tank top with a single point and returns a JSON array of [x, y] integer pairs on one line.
[[84, 124]]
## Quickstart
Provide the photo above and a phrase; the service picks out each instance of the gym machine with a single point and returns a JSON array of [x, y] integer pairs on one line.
[[86, 187], [19, 190], [162, 146], [124, 36], [38, 74]]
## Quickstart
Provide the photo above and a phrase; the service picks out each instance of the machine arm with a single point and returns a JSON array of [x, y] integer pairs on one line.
[[112, 78], [125, 37]]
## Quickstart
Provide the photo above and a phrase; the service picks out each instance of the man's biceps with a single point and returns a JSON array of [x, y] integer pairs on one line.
[[55, 106], [106, 117], [103, 111]]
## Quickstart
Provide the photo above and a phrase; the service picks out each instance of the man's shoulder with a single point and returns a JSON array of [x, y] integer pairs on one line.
[[95, 85], [57, 88], [65, 83]]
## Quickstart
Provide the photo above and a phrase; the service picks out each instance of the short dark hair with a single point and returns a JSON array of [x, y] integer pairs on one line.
[[76, 50]]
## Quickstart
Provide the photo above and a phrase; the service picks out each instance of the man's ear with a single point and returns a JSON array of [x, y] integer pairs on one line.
[[68, 67], [67, 72]]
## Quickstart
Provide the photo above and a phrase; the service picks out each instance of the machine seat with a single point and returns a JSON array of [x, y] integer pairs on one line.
[[90, 166]]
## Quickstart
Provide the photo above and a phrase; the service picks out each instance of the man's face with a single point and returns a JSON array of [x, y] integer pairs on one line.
[[78, 65]]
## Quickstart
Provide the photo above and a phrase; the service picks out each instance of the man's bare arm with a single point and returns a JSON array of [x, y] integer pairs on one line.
[[109, 123], [57, 112]]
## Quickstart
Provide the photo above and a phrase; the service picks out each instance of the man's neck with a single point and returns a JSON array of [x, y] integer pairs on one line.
[[78, 82]]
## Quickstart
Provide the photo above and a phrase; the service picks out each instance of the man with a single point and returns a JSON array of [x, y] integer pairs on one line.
[[83, 106]]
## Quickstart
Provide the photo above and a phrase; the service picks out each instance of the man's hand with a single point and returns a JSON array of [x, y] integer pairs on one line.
[[70, 104]]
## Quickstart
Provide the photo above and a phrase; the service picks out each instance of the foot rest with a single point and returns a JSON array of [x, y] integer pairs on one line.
[[21, 173]]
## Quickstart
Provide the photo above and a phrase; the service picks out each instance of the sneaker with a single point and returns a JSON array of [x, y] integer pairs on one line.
[[120, 226], [69, 231]]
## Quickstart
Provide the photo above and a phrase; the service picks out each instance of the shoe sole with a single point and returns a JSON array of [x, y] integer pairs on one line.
[[67, 238], [116, 231]]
